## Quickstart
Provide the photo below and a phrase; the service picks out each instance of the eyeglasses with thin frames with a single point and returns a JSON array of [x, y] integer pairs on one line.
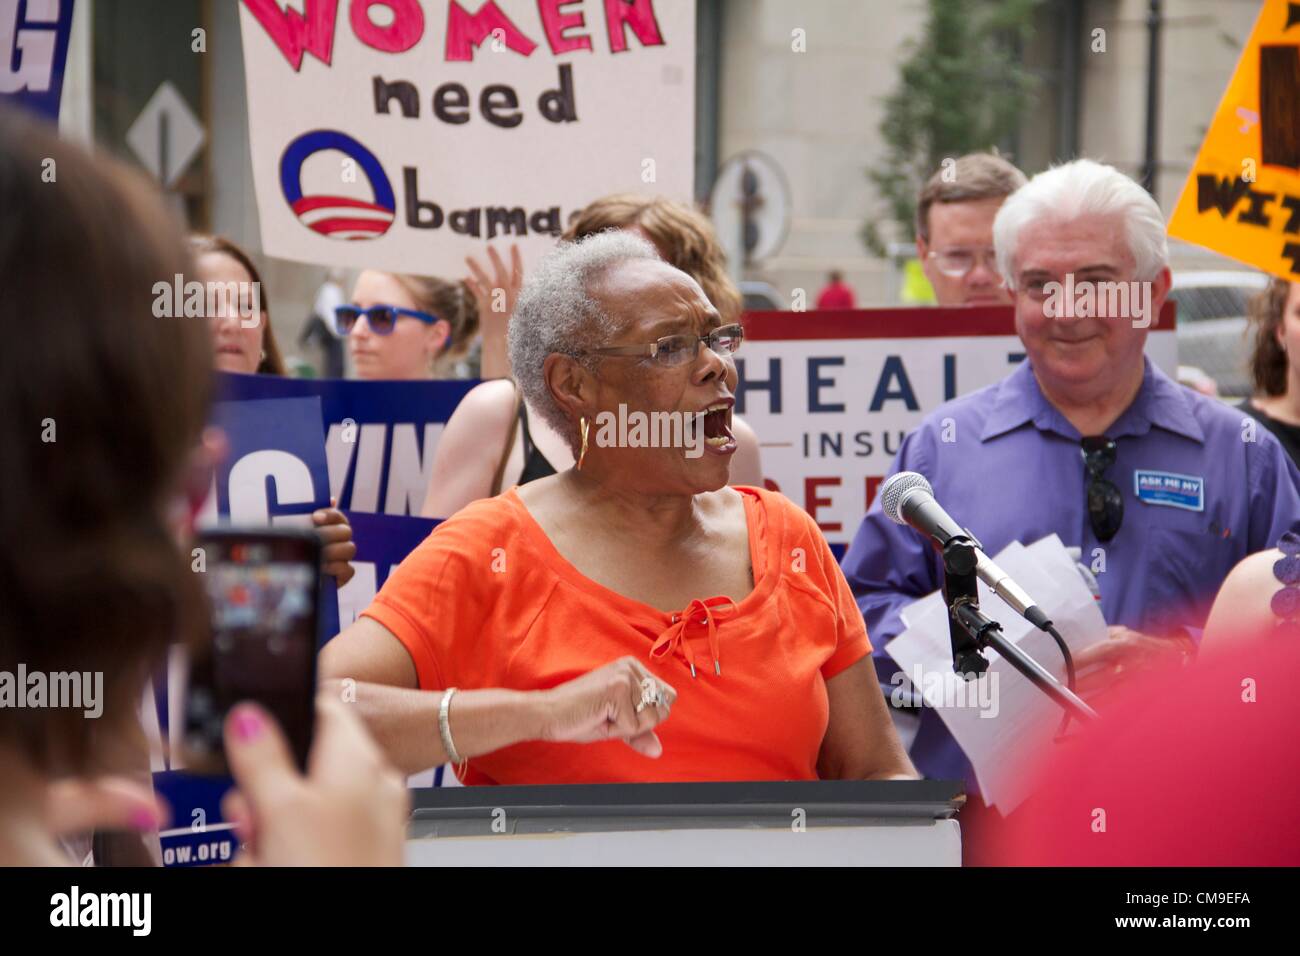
[[673, 350], [956, 263]]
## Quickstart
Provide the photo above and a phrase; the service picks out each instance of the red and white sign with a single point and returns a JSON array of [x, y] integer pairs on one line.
[[405, 135], [832, 394]]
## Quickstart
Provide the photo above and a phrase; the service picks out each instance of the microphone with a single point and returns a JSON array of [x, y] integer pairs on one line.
[[907, 498]]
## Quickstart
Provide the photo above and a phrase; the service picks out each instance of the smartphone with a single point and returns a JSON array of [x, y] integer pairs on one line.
[[263, 590]]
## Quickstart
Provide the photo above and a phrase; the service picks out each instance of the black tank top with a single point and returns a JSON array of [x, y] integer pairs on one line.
[[1288, 435], [535, 463]]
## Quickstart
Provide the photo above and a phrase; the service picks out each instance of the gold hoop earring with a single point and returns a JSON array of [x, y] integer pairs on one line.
[[584, 425]]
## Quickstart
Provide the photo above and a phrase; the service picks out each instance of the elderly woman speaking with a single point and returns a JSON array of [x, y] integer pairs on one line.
[[675, 627]]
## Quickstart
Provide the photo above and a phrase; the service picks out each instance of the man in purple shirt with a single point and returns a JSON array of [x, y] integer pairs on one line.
[[1162, 489]]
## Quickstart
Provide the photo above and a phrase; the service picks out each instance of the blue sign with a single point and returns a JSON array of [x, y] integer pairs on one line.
[[278, 471], [198, 836], [33, 51], [379, 436], [275, 474]]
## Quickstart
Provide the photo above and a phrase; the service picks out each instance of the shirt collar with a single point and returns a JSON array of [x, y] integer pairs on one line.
[[1019, 400], [1160, 401]]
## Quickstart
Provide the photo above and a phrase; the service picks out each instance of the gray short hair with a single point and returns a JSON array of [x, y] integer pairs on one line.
[[555, 312], [1077, 189]]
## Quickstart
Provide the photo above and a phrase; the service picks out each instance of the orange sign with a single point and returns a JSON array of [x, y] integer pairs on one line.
[[1242, 198]]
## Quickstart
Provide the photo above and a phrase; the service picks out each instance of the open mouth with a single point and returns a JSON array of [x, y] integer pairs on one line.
[[717, 428]]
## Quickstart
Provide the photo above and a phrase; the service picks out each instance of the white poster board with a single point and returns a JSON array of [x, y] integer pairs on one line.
[[831, 395], [406, 135]]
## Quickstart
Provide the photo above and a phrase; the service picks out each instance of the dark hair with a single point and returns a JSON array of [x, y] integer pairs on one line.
[[683, 235], [974, 176], [103, 404], [201, 245], [450, 301], [1268, 362]]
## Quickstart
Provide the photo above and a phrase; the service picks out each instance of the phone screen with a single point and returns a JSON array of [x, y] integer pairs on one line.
[[262, 590]]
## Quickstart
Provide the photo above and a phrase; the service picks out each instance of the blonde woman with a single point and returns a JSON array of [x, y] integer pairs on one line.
[[407, 327]]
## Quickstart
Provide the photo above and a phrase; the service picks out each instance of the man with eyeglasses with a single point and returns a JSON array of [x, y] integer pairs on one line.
[[1161, 488], [954, 228]]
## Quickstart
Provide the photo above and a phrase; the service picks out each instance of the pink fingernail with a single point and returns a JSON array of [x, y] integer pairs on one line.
[[144, 819], [248, 725]]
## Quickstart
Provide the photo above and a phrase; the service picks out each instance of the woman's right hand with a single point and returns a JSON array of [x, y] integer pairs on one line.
[[495, 295], [602, 705], [349, 810]]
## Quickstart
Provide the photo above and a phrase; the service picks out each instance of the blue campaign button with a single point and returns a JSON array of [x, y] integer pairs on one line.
[[1169, 489]]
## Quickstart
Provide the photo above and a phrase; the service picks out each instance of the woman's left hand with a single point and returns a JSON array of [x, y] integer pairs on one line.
[[337, 547]]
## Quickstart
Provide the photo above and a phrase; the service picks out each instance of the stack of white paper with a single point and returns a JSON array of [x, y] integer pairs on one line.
[[1001, 717]]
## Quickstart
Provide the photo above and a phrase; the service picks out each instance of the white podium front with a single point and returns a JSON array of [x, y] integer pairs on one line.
[[785, 823]]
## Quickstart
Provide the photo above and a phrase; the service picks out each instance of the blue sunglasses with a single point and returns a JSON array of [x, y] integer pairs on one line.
[[381, 318]]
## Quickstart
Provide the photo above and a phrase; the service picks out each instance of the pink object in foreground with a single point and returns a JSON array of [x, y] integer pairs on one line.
[[1196, 767]]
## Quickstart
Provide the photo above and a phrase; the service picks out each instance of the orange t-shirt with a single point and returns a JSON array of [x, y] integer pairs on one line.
[[487, 601]]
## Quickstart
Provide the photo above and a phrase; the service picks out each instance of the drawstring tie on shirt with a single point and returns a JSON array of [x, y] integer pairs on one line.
[[697, 614]]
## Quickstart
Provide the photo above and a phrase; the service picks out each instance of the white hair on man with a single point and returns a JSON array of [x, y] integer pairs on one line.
[[555, 312], [1075, 190]]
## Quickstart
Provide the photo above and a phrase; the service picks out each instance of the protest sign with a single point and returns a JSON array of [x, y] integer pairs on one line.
[[379, 436], [1242, 198], [275, 473], [33, 52], [404, 136], [831, 395]]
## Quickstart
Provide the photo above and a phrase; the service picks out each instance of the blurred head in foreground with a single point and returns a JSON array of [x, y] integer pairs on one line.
[[954, 228], [103, 406], [1193, 767]]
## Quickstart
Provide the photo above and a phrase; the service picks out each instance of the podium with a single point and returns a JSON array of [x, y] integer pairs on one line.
[[780, 823]]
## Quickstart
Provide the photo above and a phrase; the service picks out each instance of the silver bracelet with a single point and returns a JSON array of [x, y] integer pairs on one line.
[[444, 726]]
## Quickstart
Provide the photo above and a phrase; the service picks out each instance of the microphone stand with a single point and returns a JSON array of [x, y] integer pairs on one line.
[[971, 632]]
